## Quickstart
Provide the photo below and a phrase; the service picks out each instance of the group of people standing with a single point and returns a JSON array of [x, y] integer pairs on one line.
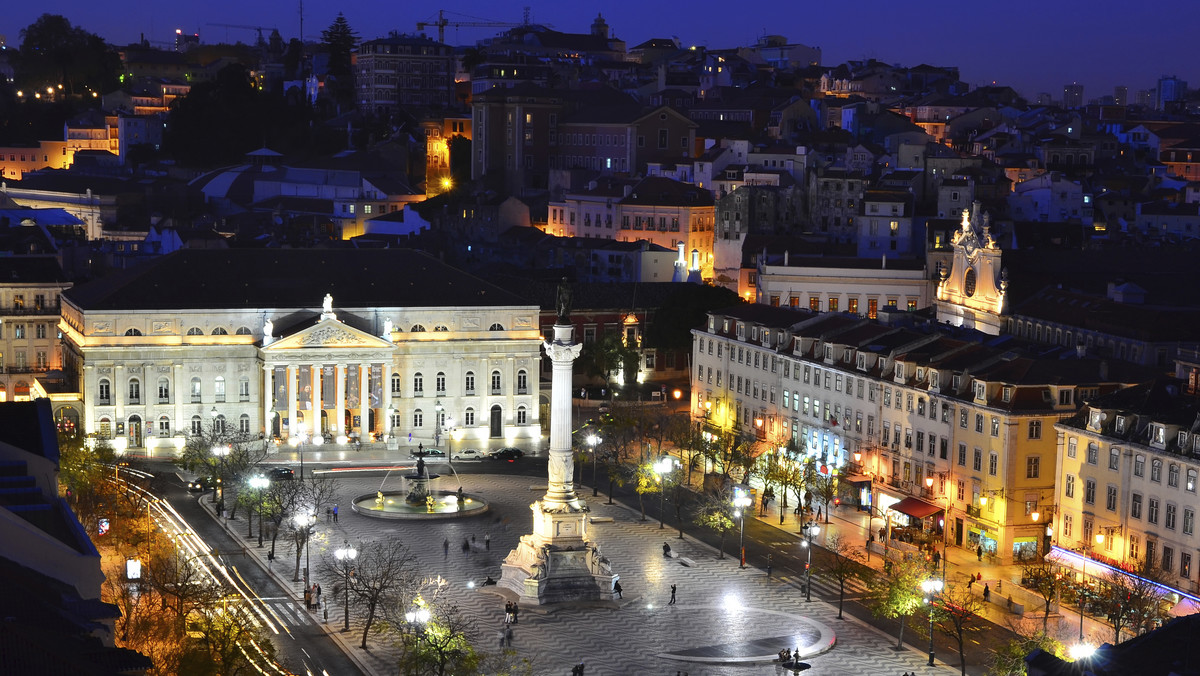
[[312, 596], [511, 611]]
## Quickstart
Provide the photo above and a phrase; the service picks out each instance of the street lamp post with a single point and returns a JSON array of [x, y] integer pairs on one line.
[[932, 587], [741, 500], [306, 522], [221, 451], [345, 555], [259, 483], [437, 423], [809, 531], [661, 468], [594, 441]]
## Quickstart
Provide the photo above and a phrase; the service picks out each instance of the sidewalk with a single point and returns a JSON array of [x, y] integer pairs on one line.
[[1003, 580]]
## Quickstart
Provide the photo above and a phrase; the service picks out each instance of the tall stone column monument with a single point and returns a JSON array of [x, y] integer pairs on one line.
[[558, 561]]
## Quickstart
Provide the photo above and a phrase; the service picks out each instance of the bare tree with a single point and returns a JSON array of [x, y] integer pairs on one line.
[[956, 614], [847, 565], [1042, 577], [1134, 601], [384, 577]]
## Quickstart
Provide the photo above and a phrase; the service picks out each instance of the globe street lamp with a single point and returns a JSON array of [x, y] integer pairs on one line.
[[260, 483], [741, 500], [932, 587], [661, 469], [346, 555], [417, 617], [437, 423], [594, 441], [809, 531]]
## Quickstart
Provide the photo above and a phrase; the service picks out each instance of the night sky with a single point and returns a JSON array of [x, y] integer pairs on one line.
[[1032, 46]]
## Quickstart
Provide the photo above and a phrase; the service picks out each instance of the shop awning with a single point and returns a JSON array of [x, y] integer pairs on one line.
[[857, 479], [916, 507]]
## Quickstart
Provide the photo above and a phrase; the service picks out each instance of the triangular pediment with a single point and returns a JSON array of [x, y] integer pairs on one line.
[[329, 333]]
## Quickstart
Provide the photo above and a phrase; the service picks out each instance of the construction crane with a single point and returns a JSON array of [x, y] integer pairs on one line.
[[260, 29], [442, 22]]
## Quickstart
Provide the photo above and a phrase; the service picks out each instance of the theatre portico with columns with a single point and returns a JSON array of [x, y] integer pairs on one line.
[[252, 343]]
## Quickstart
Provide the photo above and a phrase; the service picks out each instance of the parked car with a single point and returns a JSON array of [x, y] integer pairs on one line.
[[428, 453], [281, 474], [469, 454], [204, 483], [508, 453]]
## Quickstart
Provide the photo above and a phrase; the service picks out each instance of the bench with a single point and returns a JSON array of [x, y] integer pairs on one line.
[[687, 562], [600, 519]]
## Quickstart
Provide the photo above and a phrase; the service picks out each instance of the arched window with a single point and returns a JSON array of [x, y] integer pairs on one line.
[[522, 382], [469, 383], [396, 384], [105, 428], [196, 389], [220, 332], [418, 385], [418, 418], [243, 331], [395, 420], [417, 328], [219, 425], [496, 327], [244, 388], [440, 382], [495, 382], [195, 429], [469, 417], [219, 388], [164, 390], [440, 327], [164, 426], [135, 391], [195, 331], [522, 416], [104, 392], [133, 332], [244, 424]]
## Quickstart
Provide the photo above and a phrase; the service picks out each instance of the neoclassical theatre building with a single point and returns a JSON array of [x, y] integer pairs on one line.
[[302, 344]]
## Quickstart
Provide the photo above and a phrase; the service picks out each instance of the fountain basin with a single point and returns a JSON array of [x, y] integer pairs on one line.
[[443, 505]]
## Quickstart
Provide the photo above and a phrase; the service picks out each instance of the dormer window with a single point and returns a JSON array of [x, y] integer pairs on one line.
[[862, 362], [980, 390], [956, 382], [899, 371], [1065, 397], [725, 326], [754, 333], [1182, 438], [712, 323], [920, 374], [847, 355], [1120, 424], [1007, 394], [1095, 419], [828, 351], [934, 378], [741, 331], [1158, 434]]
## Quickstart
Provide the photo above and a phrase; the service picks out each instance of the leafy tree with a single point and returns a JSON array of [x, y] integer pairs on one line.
[[847, 565], [339, 40], [241, 453], [443, 645], [227, 638], [825, 487], [897, 593], [957, 614], [645, 481], [608, 356], [54, 53], [715, 511], [1009, 659]]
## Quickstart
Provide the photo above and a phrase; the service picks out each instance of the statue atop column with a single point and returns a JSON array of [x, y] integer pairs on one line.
[[268, 332], [327, 308], [387, 329], [563, 301]]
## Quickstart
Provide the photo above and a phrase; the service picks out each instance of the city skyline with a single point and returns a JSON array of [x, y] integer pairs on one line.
[[1032, 54]]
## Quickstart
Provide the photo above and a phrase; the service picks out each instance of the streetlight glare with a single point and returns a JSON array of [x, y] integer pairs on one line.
[[1081, 651]]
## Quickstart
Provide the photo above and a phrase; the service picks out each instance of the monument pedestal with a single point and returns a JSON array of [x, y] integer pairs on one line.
[[557, 563]]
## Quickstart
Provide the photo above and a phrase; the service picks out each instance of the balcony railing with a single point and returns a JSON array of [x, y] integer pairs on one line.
[[27, 310]]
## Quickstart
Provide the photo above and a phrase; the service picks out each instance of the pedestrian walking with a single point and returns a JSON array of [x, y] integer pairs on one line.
[[617, 589], [979, 552], [501, 635], [307, 598], [987, 593], [970, 581], [487, 541], [335, 513], [445, 547], [937, 558], [466, 547], [328, 514], [818, 513], [508, 612], [318, 596], [672, 601], [508, 633], [516, 613]]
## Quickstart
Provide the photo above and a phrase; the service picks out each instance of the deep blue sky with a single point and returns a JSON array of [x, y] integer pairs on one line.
[[1033, 46]]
